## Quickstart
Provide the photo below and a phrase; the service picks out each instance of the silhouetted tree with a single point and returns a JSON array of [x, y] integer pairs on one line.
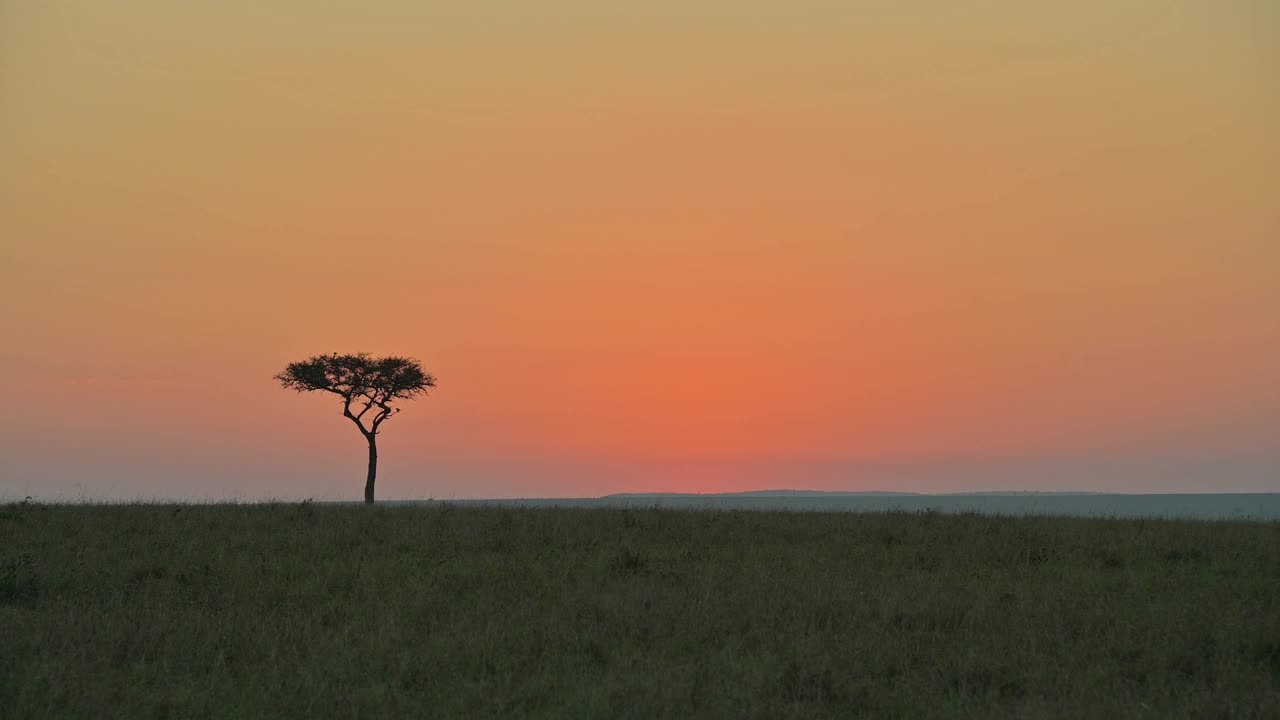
[[368, 384]]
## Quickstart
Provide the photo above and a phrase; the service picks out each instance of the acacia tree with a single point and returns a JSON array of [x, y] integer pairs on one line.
[[367, 385]]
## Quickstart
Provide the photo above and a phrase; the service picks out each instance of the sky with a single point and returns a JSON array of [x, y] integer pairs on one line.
[[658, 245]]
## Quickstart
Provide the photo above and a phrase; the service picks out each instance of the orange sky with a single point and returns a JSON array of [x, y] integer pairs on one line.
[[644, 245]]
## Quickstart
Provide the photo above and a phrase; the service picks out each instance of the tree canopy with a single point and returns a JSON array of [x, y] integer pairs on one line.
[[362, 381]]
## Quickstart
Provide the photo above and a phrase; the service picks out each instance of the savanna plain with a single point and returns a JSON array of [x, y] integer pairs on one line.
[[310, 610]]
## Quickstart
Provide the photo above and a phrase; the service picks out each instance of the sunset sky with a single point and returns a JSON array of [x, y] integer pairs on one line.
[[645, 245]]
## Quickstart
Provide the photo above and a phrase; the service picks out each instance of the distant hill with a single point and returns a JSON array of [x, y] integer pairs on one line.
[[765, 493], [1259, 506], [987, 493], [845, 493]]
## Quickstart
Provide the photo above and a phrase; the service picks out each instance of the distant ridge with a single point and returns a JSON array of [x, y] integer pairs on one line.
[[846, 493], [1202, 506], [765, 493], [1001, 492]]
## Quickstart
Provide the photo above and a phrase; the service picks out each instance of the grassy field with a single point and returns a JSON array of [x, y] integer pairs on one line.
[[345, 611]]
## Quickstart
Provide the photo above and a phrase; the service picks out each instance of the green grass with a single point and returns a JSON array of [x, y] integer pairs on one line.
[[345, 611]]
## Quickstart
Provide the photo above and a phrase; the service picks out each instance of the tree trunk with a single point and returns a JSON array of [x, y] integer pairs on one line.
[[373, 470]]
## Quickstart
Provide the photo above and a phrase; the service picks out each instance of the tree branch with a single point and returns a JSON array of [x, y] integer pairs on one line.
[[346, 411], [368, 404], [385, 412]]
